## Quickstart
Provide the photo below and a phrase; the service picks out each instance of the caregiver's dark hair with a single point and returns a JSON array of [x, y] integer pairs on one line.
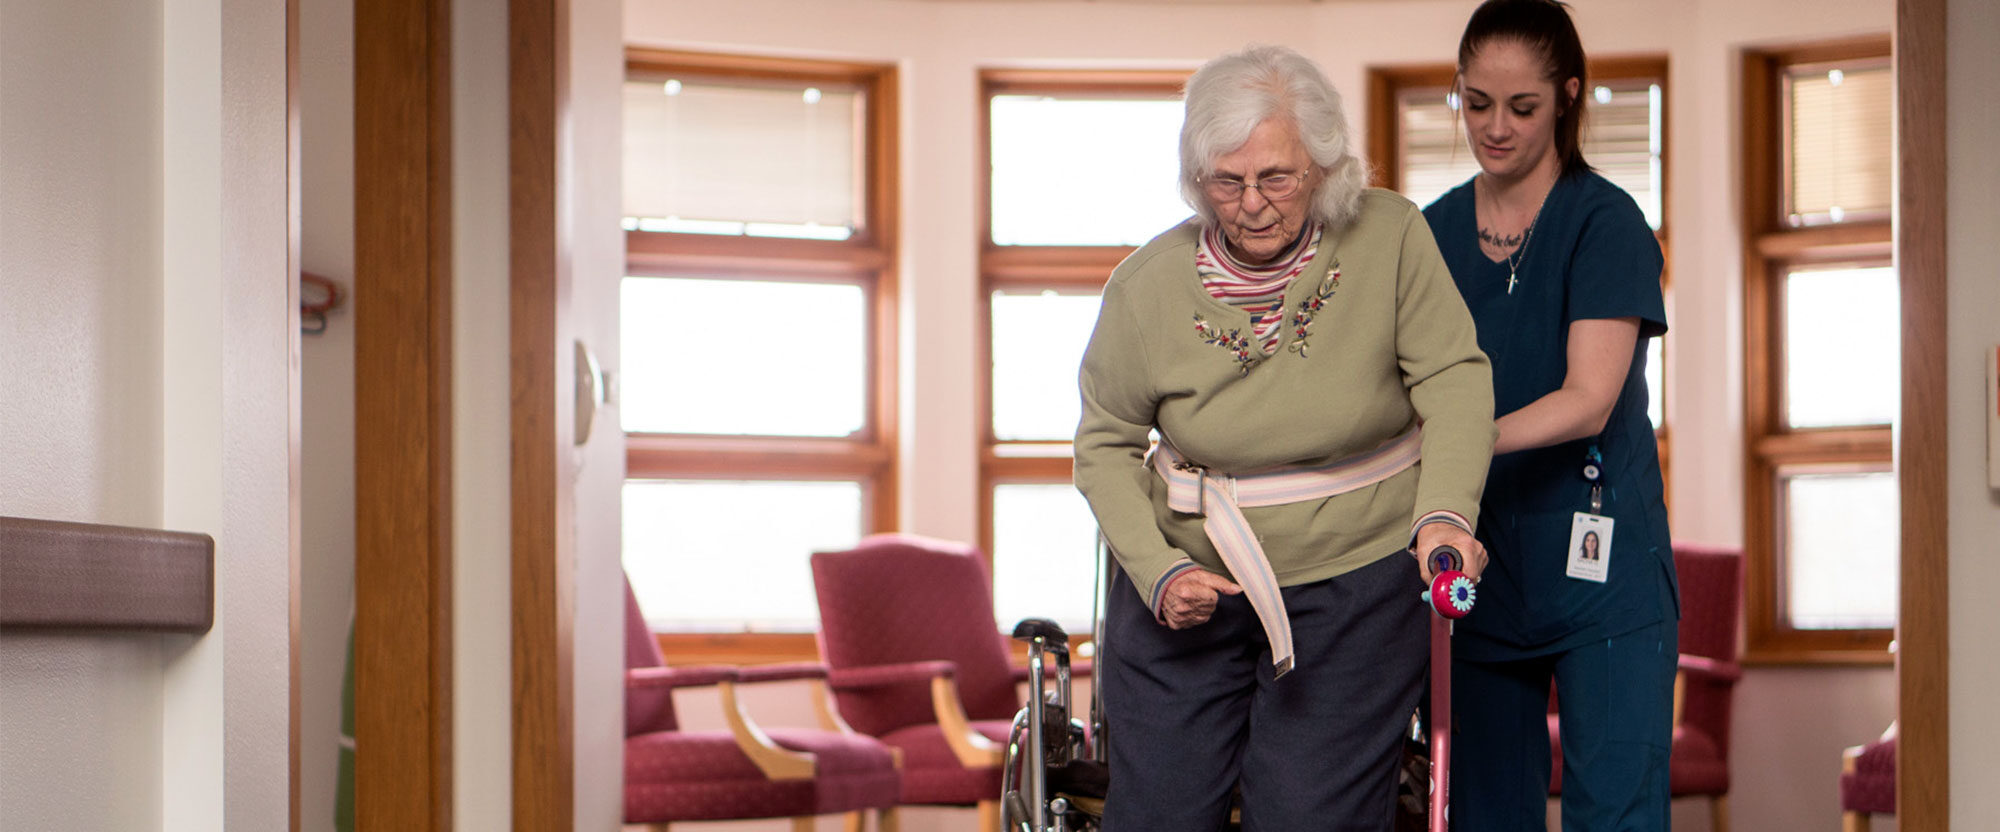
[[1544, 27]]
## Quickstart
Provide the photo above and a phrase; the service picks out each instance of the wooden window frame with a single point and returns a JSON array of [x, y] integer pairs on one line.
[[1771, 247], [867, 259], [1031, 268], [1082, 269], [1386, 85]]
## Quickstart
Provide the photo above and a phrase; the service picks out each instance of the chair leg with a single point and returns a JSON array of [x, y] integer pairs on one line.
[[854, 822], [802, 824], [885, 819], [989, 816], [1853, 822], [1718, 811]]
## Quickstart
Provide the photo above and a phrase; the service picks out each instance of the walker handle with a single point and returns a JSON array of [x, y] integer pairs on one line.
[[1446, 559]]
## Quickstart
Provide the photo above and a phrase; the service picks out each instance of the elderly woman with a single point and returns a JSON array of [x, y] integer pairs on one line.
[[1324, 413]]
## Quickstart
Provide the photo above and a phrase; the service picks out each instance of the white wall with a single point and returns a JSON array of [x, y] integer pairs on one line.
[[226, 356], [326, 557], [126, 403], [80, 715], [1973, 331], [1786, 757], [593, 164], [482, 648]]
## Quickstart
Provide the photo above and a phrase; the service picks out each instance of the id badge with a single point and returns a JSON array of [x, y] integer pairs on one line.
[[1590, 547]]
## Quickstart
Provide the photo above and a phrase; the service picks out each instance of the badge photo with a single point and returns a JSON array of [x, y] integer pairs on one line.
[[1590, 547]]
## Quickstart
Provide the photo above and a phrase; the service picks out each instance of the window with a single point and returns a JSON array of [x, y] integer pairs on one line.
[[1822, 355], [758, 338], [1418, 147], [1082, 167]]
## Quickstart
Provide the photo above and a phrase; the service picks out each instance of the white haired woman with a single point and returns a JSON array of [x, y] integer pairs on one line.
[[1265, 633]]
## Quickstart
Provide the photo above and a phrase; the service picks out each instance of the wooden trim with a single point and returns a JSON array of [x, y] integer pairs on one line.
[[1851, 49], [639, 59], [541, 477], [883, 172], [736, 648], [110, 578], [1844, 241], [402, 467], [1842, 445], [666, 252], [1148, 83], [1923, 764], [294, 394]]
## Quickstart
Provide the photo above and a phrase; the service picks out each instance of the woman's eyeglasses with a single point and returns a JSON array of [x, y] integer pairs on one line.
[[1275, 187]]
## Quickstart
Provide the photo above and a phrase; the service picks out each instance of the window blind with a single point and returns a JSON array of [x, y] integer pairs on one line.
[[1621, 139], [1837, 151], [780, 159]]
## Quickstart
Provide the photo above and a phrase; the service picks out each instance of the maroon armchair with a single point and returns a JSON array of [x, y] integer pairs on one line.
[[906, 624], [1711, 582], [1868, 782], [746, 772]]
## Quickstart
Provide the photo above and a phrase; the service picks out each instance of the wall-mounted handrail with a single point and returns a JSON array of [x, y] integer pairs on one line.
[[57, 575]]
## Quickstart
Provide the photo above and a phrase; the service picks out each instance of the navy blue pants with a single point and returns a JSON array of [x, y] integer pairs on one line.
[[1194, 714], [1616, 701]]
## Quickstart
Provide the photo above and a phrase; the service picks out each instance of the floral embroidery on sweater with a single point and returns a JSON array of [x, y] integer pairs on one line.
[[1233, 341], [1302, 319]]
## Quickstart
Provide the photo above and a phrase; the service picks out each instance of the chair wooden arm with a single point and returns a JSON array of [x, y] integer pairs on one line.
[[776, 762], [973, 749]]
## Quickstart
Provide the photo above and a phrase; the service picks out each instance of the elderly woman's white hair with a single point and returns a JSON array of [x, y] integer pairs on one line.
[[1229, 96]]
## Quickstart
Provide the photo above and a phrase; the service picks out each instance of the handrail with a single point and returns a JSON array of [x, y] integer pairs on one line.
[[58, 575]]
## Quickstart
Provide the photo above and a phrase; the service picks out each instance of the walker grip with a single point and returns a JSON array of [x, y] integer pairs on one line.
[[1452, 592]]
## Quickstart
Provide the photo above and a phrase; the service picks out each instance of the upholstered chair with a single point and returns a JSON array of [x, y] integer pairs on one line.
[[746, 772], [918, 661]]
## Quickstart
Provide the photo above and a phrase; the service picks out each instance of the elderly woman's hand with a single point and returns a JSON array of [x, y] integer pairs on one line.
[[1445, 534], [1190, 599]]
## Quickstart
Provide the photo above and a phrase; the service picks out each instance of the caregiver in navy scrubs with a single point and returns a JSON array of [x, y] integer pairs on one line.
[[1562, 275]]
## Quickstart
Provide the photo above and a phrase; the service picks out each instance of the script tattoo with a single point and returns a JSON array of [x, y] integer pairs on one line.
[[1503, 243]]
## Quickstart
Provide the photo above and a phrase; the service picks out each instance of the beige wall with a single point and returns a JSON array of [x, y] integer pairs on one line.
[[80, 716], [145, 203], [326, 559], [1787, 755], [1974, 331]]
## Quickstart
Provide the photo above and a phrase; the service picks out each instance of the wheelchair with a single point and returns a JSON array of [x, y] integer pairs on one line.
[[1057, 770]]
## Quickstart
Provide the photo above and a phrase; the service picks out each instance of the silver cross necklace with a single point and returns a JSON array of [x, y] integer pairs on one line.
[[1520, 253]]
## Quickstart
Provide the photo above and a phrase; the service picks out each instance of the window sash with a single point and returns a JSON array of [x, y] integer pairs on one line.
[[866, 258]]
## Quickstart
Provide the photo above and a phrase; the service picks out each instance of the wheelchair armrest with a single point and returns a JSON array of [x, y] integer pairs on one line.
[[781, 672], [867, 677], [693, 676], [1078, 669]]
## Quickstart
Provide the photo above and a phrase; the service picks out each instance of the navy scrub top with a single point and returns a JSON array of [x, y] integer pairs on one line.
[[1591, 256]]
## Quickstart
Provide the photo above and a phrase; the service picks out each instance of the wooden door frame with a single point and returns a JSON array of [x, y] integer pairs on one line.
[[542, 474], [403, 415], [1923, 704]]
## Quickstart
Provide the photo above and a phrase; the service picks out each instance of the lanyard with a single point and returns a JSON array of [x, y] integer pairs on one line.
[[1593, 473]]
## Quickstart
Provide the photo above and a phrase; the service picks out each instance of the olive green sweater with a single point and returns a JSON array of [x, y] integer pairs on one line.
[[1389, 347]]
